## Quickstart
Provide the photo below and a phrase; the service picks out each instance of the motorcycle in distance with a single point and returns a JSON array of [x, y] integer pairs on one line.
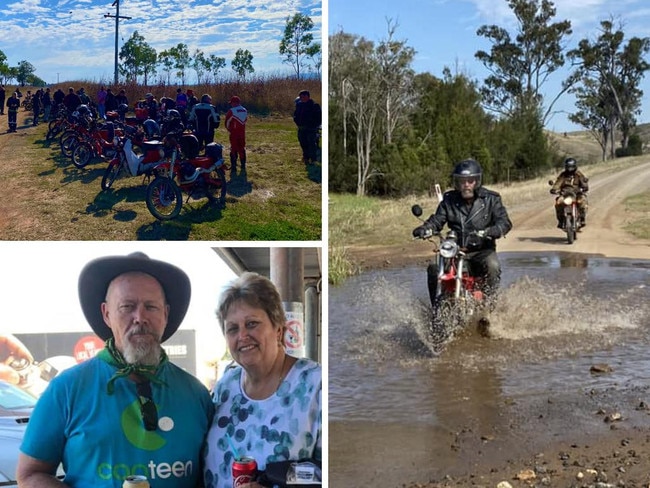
[[194, 175], [568, 198], [460, 300], [128, 163]]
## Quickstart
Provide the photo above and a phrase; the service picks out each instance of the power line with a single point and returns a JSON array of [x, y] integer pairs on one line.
[[117, 18]]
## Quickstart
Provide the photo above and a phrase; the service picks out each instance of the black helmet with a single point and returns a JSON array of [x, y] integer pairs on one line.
[[570, 165], [83, 110], [122, 108], [173, 114], [467, 169]]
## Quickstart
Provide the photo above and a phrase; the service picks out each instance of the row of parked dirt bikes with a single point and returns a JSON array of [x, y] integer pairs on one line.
[[164, 155]]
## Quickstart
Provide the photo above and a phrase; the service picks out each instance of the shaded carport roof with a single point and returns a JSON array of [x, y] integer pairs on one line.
[[258, 260]]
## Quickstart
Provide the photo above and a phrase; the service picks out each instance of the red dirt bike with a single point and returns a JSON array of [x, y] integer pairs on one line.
[[128, 163], [98, 142], [460, 295], [568, 198], [200, 175]]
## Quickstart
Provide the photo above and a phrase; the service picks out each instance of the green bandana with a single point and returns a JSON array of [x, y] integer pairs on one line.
[[112, 356]]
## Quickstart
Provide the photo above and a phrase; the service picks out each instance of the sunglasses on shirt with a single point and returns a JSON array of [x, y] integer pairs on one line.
[[148, 408]]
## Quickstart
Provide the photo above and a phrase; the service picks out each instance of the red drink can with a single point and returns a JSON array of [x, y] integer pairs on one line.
[[244, 471]]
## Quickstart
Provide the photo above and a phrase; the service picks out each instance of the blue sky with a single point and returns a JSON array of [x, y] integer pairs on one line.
[[71, 39], [443, 32]]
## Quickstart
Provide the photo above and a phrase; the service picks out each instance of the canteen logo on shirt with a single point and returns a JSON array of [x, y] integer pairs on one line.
[[136, 434]]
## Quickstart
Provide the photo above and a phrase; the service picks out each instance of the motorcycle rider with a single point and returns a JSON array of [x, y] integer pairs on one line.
[[478, 217], [579, 183]]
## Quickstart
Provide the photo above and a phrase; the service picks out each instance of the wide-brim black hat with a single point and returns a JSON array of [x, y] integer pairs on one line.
[[98, 273]]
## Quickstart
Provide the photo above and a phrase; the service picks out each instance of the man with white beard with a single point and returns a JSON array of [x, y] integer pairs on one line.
[[127, 411]]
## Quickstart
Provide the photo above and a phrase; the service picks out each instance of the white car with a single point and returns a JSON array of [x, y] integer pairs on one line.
[[16, 406]]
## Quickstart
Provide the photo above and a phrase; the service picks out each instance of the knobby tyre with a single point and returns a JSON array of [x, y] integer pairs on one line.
[[164, 198]]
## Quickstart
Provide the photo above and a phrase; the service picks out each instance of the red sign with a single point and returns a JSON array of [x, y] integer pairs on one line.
[[87, 347], [293, 335]]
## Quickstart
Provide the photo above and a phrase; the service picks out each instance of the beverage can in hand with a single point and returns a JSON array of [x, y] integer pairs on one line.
[[136, 481], [244, 470]]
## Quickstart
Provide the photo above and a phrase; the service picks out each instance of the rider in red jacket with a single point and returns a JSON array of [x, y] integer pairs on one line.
[[236, 125]]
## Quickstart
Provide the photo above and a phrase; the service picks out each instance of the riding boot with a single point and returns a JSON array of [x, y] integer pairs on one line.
[[233, 162], [432, 282]]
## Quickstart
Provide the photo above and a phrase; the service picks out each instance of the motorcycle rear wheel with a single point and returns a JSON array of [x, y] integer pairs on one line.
[[164, 198], [217, 192], [110, 175], [82, 154]]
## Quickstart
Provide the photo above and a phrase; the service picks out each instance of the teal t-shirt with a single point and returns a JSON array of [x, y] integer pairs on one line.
[[285, 426], [101, 439]]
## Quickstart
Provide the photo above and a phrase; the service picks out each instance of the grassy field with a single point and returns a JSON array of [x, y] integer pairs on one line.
[[278, 199]]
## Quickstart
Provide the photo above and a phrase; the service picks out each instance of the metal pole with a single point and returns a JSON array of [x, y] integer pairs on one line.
[[287, 273], [117, 16], [117, 27], [312, 322]]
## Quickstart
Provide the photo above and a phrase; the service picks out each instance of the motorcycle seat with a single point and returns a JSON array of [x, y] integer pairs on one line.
[[201, 162]]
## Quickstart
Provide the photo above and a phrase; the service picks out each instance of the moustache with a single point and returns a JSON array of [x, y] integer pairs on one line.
[[140, 330]]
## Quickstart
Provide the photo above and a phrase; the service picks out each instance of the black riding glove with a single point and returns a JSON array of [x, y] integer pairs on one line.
[[422, 232]]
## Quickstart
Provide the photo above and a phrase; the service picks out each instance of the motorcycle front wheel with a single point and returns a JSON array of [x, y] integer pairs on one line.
[[111, 174], [570, 229], [68, 143], [82, 154], [217, 187], [164, 198]]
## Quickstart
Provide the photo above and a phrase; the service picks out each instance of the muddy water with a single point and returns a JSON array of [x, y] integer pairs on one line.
[[401, 407]]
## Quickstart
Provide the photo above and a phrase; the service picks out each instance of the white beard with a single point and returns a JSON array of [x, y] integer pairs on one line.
[[144, 353]]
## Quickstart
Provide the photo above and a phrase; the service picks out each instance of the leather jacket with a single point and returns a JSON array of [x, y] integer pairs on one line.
[[486, 213], [575, 180]]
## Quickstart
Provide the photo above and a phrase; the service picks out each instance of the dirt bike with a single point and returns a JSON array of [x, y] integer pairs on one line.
[[128, 163], [568, 198], [200, 174], [459, 294]]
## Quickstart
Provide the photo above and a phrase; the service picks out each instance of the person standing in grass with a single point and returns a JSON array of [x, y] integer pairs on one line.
[[307, 117], [236, 125], [12, 111], [36, 106], [3, 94]]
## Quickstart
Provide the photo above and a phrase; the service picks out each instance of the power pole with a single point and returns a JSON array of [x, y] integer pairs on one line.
[[117, 17]]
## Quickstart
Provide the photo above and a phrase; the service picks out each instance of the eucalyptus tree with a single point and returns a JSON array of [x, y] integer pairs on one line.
[[521, 64], [242, 63], [297, 44], [137, 58], [610, 72]]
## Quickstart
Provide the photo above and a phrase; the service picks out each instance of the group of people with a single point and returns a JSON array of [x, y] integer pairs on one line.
[[200, 114], [130, 411], [478, 217]]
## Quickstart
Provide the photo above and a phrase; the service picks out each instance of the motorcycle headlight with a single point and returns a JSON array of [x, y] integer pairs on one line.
[[568, 200], [448, 249]]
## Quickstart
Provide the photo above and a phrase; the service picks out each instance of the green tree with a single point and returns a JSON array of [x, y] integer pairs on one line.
[[297, 43], [216, 64], [608, 94], [166, 62], [182, 60], [24, 72], [242, 63], [201, 65], [521, 66], [137, 58]]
